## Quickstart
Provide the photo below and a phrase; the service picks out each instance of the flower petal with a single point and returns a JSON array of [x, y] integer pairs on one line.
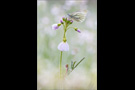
[[63, 46], [55, 26]]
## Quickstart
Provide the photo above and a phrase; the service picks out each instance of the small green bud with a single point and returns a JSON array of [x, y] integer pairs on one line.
[[75, 29], [59, 24], [63, 18], [68, 21], [61, 21]]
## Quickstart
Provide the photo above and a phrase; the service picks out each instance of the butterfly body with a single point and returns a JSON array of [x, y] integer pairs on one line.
[[78, 16]]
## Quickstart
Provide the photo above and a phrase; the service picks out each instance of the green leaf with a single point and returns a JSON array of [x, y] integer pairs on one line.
[[72, 65], [79, 62]]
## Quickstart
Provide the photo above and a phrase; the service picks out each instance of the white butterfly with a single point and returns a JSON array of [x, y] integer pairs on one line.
[[78, 16]]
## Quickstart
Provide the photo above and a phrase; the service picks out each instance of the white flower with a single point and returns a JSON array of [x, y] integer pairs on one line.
[[55, 26], [63, 46]]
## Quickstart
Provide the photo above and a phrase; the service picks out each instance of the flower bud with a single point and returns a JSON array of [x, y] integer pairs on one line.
[[78, 31], [61, 21], [63, 18], [55, 26], [75, 29], [71, 21], [59, 24], [68, 21], [66, 65]]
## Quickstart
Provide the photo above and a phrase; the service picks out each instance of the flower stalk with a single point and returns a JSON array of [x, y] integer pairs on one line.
[[64, 40], [60, 64], [63, 46]]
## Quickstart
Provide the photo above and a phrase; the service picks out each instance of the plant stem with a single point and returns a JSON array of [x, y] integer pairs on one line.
[[61, 78], [64, 36], [65, 29], [60, 64]]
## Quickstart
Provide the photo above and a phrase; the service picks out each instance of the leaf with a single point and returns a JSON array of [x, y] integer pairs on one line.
[[72, 65], [79, 62]]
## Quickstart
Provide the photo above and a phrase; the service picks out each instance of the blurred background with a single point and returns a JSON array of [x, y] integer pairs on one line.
[[81, 45]]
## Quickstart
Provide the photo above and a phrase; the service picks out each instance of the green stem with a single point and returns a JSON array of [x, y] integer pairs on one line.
[[61, 78], [65, 29], [60, 64], [64, 36]]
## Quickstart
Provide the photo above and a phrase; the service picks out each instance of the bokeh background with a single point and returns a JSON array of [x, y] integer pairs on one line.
[[81, 45]]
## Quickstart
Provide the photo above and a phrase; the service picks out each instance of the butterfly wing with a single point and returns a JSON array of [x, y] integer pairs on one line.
[[78, 16]]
